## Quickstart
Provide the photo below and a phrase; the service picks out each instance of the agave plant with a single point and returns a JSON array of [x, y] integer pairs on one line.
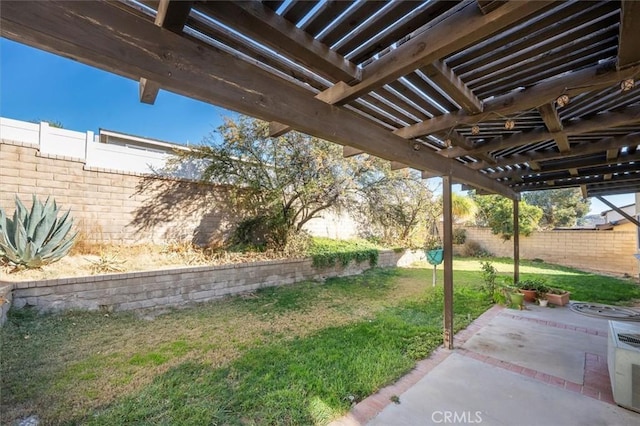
[[37, 237]]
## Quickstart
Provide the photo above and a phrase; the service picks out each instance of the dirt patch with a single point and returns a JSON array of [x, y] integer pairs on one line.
[[114, 259]]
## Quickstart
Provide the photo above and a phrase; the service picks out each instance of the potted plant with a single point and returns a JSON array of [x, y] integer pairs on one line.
[[541, 294], [435, 254], [515, 299], [530, 288], [558, 296], [542, 299], [434, 251]]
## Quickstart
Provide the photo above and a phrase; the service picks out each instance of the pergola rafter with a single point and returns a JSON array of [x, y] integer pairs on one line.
[[171, 15]]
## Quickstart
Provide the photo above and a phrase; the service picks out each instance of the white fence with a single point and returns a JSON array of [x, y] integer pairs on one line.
[[84, 146]]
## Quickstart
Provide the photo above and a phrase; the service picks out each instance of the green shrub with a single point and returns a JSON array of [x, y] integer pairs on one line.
[[326, 252], [535, 284], [489, 275], [37, 237], [459, 236], [474, 249]]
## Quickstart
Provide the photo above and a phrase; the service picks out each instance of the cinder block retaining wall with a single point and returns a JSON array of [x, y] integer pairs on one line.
[[602, 251], [176, 287]]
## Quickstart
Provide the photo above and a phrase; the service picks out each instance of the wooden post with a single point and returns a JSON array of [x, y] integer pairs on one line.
[[448, 261], [516, 241]]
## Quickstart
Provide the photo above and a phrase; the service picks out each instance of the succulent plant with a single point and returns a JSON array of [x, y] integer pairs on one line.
[[37, 237]]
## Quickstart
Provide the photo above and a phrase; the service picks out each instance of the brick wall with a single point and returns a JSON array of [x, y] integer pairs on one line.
[[176, 287], [113, 206], [603, 251]]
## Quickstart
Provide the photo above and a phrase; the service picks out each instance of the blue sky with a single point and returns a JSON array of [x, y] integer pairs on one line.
[[36, 85]]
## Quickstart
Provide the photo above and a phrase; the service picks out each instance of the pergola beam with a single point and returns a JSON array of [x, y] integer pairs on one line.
[[578, 163], [628, 52], [277, 129], [582, 149], [622, 117], [572, 84], [262, 24], [576, 182], [613, 188], [428, 175], [584, 191], [549, 115], [271, 29], [172, 15], [450, 83], [396, 165], [437, 71], [588, 172], [453, 33], [349, 151], [104, 36]]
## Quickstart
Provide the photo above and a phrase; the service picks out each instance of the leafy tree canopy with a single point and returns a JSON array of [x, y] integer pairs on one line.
[[496, 212], [463, 208], [277, 184], [395, 205], [560, 207]]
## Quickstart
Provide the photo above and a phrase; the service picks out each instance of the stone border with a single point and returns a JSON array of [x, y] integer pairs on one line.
[[181, 286]]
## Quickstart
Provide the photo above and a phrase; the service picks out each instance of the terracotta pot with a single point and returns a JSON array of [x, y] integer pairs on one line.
[[529, 295], [558, 299]]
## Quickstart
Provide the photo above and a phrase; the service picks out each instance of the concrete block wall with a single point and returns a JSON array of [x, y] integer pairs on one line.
[[602, 251], [113, 206], [182, 286]]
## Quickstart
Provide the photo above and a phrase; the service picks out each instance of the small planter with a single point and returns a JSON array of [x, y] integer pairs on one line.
[[558, 299], [543, 302], [529, 295]]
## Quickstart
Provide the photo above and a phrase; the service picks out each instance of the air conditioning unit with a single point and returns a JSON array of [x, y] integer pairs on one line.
[[623, 359]]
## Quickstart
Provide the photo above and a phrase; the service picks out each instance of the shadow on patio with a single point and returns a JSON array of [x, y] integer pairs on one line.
[[539, 366]]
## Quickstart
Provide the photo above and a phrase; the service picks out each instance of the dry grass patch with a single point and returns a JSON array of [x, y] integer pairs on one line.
[[111, 258]]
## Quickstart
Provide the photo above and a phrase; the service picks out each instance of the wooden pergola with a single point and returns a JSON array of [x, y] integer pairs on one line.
[[502, 96]]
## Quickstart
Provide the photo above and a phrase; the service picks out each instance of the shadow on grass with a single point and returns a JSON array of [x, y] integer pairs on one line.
[[371, 284], [37, 346], [309, 380]]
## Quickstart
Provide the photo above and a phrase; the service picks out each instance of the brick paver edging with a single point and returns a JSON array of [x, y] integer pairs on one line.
[[596, 383], [592, 331], [368, 408]]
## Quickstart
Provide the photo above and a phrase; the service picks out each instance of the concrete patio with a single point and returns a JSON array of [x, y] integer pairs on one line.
[[539, 366]]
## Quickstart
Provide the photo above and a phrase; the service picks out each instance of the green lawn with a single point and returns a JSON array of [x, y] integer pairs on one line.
[[300, 354]]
